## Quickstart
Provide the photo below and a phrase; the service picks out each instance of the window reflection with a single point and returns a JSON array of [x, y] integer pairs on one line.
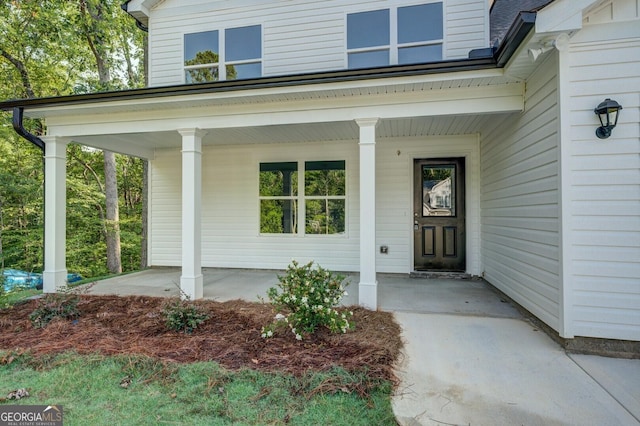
[[438, 191]]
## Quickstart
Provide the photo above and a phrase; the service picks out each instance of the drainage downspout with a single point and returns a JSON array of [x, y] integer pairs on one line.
[[18, 115], [18, 126]]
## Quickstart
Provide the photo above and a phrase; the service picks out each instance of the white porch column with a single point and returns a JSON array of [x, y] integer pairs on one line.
[[191, 279], [55, 214], [368, 286]]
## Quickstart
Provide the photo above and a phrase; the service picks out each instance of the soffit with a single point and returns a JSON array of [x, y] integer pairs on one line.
[[143, 144]]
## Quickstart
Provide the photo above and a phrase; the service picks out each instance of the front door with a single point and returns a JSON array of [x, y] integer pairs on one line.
[[438, 213]]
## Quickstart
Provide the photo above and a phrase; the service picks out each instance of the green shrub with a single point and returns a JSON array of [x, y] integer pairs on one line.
[[183, 315], [308, 297], [55, 305]]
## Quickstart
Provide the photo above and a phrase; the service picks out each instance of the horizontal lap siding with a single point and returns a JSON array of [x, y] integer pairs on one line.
[[298, 35], [466, 27], [520, 200], [605, 182], [230, 207], [166, 209], [394, 196]]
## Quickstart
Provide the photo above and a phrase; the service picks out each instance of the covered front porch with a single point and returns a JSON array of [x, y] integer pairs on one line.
[[205, 150], [396, 292]]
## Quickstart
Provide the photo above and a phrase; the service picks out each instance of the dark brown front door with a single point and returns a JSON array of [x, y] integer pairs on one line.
[[438, 213]]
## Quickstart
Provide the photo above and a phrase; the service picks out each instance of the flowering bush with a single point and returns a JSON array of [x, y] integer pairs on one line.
[[308, 297]]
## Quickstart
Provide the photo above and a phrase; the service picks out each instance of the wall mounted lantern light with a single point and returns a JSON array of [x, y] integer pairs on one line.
[[607, 112]]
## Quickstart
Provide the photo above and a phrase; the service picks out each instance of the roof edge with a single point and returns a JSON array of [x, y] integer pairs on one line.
[[459, 65], [514, 37]]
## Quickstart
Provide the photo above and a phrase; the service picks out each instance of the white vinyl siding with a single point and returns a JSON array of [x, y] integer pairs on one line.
[[230, 210], [298, 35], [520, 200], [394, 196], [165, 209], [230, 205], [604, 197]]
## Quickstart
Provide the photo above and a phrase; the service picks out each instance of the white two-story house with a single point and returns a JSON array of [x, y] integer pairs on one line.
[[383, 136]]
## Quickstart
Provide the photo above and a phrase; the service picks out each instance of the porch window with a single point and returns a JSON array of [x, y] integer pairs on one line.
[[402, 35], [278, 198], [234, 53], [323, 192], [325, 197]]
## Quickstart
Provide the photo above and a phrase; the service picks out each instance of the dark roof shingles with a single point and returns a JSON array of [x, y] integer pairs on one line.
[[504, 12]]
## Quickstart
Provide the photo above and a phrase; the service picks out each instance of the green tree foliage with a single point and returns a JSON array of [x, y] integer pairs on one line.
[[202, 75], [325, 215], [21, 202], [48, 48]]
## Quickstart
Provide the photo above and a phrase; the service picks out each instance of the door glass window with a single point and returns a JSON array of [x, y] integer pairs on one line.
[[438, 190]]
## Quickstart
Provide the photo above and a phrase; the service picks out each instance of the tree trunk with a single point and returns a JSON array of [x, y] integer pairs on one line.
[[97, 41], [114, 263]]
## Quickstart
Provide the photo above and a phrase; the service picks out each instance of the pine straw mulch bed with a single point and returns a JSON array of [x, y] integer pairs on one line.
[[115, 325]]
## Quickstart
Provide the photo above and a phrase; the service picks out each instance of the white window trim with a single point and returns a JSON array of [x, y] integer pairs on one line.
[[222, 63], [301, 199], [393, 45]]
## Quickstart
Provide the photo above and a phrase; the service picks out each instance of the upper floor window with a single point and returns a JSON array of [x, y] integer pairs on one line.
[[223, 55], [403, 35]]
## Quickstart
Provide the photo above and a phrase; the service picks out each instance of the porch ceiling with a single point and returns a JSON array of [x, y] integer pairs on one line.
[[138, 144]]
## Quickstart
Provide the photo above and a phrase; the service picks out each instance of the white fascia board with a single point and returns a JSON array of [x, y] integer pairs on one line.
[[187, 100], [459, 101], [562, 16]]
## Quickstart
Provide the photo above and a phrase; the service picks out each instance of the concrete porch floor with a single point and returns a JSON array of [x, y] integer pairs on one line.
[[469, 358], [395, 292]]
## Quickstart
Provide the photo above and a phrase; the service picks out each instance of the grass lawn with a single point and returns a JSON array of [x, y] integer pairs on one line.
[[91, 390]]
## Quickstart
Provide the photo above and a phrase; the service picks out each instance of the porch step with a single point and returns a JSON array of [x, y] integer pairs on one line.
[[446, 275]]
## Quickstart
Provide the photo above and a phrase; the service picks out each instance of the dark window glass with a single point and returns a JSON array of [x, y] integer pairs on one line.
[[376, 58], [201, 48], [239, 71], [243, 43], [420, 23], [278, 179], [325, 216], [201, 75], [368, 29], [417, 54], [324, 178], [278, 216]]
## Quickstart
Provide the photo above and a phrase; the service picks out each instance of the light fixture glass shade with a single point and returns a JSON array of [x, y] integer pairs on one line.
[[607, 112]]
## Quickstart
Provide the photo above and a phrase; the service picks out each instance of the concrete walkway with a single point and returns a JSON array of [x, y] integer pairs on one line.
[[469, 359]]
